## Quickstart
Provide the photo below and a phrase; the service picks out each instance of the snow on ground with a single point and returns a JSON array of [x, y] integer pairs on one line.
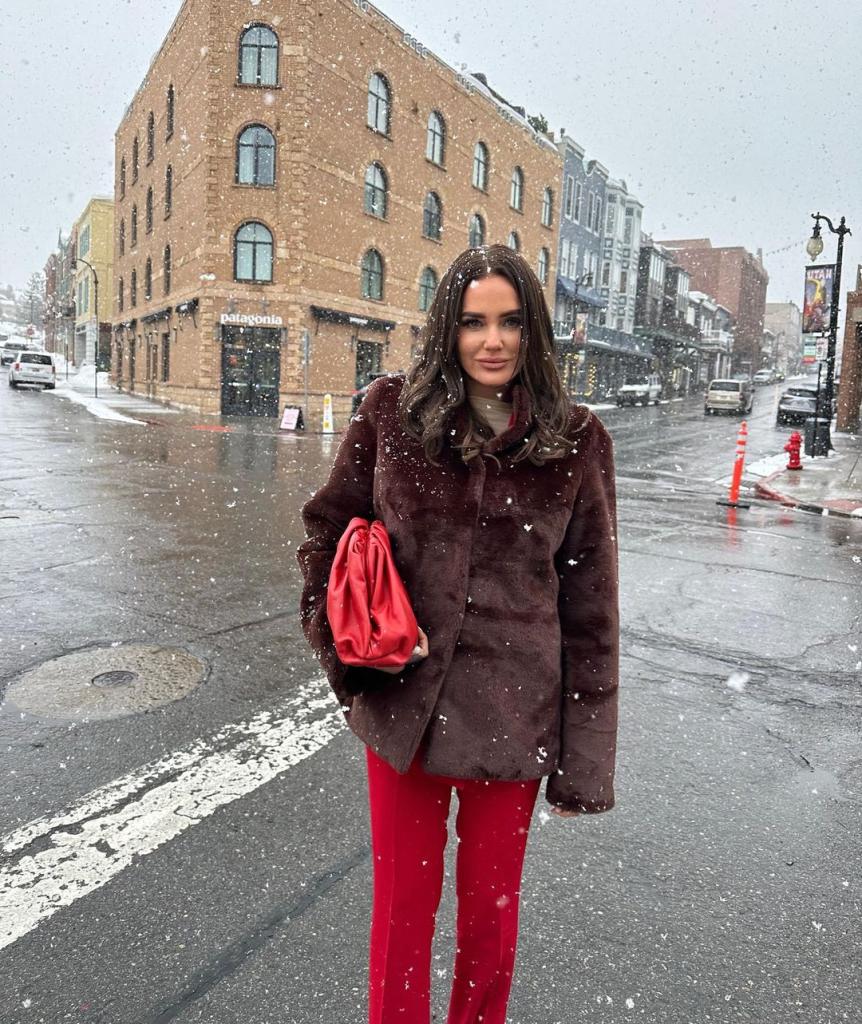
[[80, 390]]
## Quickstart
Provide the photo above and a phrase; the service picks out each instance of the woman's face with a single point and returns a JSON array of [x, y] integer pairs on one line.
[[489, 335]]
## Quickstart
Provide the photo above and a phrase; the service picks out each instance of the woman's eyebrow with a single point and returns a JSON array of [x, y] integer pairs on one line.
[[481, 316]]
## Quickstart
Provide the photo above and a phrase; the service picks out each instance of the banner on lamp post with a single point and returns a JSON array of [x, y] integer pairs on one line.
[[817, 307]]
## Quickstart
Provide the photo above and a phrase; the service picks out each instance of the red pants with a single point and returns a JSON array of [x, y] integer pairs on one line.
[[408, 836]]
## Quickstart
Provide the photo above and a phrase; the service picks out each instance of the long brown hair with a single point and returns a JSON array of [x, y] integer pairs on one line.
[[435, 388]]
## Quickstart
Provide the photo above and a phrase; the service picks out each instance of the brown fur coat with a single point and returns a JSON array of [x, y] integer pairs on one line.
[[512, 571]]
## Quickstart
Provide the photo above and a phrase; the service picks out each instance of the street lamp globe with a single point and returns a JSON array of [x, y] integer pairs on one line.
[[815, 244]]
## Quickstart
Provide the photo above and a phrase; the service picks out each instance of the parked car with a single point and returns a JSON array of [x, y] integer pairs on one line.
[[764, 377], [11, 348], [796, 404], [33, 368], [640, 390], [726, 395]]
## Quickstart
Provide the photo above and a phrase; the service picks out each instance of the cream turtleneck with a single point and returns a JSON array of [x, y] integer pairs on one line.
[[493, 411]]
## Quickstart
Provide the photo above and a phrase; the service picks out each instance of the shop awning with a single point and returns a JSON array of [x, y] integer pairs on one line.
[[339, 316], [588, 296]]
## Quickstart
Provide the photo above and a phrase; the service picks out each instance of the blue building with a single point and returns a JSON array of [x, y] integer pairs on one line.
[[598, 349]]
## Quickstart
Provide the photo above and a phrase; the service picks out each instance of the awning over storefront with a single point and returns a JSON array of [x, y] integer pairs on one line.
[[160, 314], [588, 296], [338, 316]]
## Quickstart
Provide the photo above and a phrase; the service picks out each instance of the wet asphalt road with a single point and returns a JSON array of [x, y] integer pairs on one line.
[[725, 886]]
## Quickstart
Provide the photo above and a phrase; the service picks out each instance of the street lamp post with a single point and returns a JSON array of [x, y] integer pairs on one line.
[[96, 305], [814, 248]]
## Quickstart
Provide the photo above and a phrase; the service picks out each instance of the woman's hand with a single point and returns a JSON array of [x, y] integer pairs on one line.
[[563, 813], [420, 651]]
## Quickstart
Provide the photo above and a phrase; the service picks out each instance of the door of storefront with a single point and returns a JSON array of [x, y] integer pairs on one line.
[[132, 343], [250, 371]]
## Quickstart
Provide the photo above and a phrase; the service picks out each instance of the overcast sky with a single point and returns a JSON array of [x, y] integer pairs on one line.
[[733, 120]]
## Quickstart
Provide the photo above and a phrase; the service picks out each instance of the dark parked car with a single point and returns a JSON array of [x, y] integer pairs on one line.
[[799, 402]]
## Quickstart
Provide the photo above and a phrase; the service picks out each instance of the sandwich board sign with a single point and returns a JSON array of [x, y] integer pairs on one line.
[[291, 418]]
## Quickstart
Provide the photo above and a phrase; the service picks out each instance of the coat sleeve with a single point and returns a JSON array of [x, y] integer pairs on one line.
[[348, 492], [589, 623]]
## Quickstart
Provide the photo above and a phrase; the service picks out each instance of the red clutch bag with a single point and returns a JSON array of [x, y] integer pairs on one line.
[[369, 612]]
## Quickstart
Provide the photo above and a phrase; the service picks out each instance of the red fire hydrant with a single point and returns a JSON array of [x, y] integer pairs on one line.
[[792, 448]]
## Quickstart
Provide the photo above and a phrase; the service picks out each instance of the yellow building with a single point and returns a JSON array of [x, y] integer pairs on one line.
[[95, 244]]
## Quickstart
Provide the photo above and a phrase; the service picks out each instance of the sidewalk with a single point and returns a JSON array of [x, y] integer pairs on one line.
[[111, 404], [830, 486]]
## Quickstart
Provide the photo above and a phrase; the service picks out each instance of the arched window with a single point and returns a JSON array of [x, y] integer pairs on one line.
[[255, 156], [170, 109], [148, 279], [372, 275], [427, 288], [151, 137], [123, 178], [253, 253], [480, 166], [134, 230], [133, 289], [544, 258], [376, 188], [514, 242], [149, 209], [477, 231], [516, 193], [432, 217], [379, 103], [166, 269], [122, 238], [258, 56], [435, 144], [135, 160], [547, 207], [120, 295], [169, 190]]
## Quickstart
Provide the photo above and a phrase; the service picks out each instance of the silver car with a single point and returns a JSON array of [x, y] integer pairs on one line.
[[729, 396], [33, 368]]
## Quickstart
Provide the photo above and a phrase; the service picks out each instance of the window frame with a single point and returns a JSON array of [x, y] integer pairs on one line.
[[256, 148], [368, 275], [435, 139], [383, 102], [478, 218], [259, 47], [151, 138], [167, 269], [255, 244], [170, 110], [543, 265], [484, 164], [428, 217], [516, 189], [424, 287], [548, 207], [169, 190], [373, 189]]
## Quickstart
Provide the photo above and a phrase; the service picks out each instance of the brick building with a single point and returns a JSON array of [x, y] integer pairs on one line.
[[299, 184], [735, 279], [850, 392]]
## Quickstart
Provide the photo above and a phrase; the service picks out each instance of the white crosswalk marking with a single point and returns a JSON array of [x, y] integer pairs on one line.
[[102, 833]]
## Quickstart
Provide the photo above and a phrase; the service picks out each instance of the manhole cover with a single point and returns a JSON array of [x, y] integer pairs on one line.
[[107, 682]]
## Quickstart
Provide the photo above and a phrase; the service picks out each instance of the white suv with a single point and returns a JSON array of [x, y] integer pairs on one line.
[[33, 368], [640, 391]]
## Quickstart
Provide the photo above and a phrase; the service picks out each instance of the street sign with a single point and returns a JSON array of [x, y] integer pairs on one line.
[[809, 350], [821, 350]]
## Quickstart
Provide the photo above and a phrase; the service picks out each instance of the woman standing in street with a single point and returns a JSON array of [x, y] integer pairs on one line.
[[498, 497]]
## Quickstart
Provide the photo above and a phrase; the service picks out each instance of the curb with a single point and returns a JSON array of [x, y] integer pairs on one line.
[[762, 490]]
